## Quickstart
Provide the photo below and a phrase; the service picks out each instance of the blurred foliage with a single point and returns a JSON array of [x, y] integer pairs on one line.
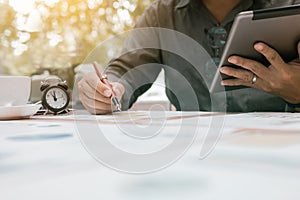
[[57, 34]]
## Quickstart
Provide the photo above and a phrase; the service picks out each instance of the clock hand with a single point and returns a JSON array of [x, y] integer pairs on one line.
[[54, 96]]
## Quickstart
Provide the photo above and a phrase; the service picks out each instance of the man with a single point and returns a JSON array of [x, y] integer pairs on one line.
[[275, 88]]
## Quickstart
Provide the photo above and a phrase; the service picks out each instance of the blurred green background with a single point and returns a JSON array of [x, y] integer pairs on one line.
[[57, 35]]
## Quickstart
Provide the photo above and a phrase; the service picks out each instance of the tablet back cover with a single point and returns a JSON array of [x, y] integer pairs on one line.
[[279, 28]]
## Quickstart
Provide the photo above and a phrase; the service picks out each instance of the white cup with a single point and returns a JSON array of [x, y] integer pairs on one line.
[[14, 90]]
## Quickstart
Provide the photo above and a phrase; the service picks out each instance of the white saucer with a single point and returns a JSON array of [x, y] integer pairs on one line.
[[18, 112]]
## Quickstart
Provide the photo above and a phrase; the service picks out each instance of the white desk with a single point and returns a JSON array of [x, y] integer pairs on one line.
[[257, 157]]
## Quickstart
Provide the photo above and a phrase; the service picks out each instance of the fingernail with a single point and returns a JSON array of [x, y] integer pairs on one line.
[[259, 47], [107, 93], [115, 88], [222, 70], [222, 83], [232, 60]]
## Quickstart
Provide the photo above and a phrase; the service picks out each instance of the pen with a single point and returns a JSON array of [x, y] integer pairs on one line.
[[103, 79]]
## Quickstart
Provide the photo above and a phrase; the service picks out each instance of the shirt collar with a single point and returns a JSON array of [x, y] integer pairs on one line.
[[242, 6], [182, 4]]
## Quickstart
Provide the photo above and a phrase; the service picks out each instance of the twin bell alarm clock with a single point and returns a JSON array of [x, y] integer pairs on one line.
[[55, 95]]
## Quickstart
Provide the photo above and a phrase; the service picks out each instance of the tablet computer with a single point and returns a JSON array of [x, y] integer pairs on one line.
[[277, 27]]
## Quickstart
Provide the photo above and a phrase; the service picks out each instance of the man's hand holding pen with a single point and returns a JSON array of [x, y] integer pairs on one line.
[[97, 95]]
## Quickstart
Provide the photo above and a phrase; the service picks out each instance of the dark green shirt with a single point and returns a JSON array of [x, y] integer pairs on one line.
[[178, 44]]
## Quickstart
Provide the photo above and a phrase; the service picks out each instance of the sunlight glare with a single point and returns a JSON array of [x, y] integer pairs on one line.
[[22, 7], [25, 8]]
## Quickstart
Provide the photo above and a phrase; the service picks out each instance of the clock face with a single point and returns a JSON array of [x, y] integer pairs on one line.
[[56, 99]]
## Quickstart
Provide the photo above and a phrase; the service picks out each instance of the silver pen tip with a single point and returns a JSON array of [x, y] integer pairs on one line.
[[118, 108], [116, 103]]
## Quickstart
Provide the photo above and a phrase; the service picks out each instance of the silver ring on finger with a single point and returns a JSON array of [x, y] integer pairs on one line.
[[254, 79]]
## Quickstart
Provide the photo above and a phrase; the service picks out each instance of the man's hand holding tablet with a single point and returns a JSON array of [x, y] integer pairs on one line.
[[280, 78]]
